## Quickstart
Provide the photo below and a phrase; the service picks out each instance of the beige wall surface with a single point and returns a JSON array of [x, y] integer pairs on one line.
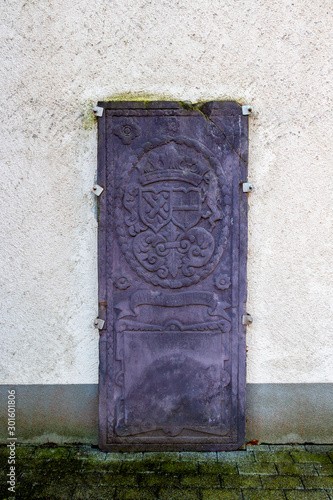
[[58, 58]]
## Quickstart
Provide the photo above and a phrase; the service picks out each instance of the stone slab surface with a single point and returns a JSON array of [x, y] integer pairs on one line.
[[83, 472]]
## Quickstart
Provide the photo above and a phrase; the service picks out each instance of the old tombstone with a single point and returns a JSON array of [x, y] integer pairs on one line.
[[172, 275]]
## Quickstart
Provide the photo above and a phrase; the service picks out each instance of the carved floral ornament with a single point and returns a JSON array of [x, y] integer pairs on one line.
[[127, 130], [222, 281], [174, 214], [123, 283]]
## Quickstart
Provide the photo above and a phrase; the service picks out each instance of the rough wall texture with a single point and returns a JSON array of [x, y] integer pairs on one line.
[[60, 57]]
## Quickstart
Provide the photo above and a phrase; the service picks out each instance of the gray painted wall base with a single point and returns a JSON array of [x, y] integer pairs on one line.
[[290, 413], [52, 413], [276, 413]]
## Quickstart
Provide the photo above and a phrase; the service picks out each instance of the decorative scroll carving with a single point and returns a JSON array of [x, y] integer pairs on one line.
[[215, 308]]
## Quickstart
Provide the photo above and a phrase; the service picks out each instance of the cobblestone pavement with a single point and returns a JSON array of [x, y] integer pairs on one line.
[[82, 472]]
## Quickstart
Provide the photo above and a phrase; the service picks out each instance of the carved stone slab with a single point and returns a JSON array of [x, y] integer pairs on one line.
[[172, 275]]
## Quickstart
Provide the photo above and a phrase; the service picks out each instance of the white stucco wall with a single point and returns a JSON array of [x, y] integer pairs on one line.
[[57, 60]]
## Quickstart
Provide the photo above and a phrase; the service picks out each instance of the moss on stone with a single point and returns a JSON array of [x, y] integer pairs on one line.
[[179, 467], [137, 96], [89, 120], [223, 494], [54, 453], [217, 468], [135, 494], [305, 456], [201, 481], [172, 493], [133, 467], [290, 469]]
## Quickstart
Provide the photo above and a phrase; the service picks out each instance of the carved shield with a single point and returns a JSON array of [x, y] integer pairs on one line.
[[154, 207], [172, 276], [186, 207]]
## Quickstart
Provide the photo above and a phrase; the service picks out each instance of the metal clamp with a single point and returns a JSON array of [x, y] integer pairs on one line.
[[99, 323], [98, 111], [247, 110], [247, 319], [97, 189], [247, 187]]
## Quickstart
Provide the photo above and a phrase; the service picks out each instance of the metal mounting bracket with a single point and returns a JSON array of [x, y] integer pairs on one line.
[[97, 189], [99, 323], [247, 319], [247, 187], [246, 110], [98, 111]]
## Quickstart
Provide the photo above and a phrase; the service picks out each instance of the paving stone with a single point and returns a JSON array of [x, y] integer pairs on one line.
[[281, 482], [97, 493], [257, 468], [110, 467], [201, 481], [198, 456], [48, 466], [319, 448], [114, 457], [80, 447], [263, 495], [218, 468], [180, 467], [286, 447], [134, 494], [87, 479], [258, 447], [38, 476], [22, 491], [131, 467], [222, 494], [119, 479], [23, 451], [167, 456], [318, 482], [58, 490], [307, 495], [240, 481], [85, 472], [304, 456], [47, 453], [176, 494], [300, 469], [3, 461], [276, 457], [236, 456], [136, 456], [151, 479], [3, 450], [4, 493], [324, 469], [88, 454]]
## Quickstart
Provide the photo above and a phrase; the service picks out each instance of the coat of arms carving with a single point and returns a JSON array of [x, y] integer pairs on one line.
[[172, 275]]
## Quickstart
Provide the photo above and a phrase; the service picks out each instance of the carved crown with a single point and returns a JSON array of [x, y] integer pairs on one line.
[[168, 164]]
